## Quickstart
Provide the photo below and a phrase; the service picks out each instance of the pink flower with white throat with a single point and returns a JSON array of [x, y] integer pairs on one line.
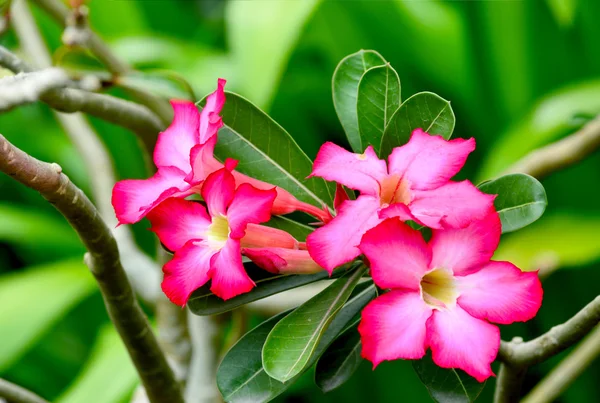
[[207, 244], [443, 295], [414, 185]]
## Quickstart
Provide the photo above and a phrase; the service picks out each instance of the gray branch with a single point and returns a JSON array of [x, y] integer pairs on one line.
[[16, 394], [25, 88], [104, 263]]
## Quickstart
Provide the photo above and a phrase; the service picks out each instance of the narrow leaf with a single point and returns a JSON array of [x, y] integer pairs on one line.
[[340, 361], [267, 152], [378, 99], [297, 230], [293, 341], [521, 200], [447, 385], [346, 78], [424, 110], [241, 377]]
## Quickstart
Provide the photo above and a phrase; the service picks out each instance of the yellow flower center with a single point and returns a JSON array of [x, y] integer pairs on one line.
[[218, 232], [438, 289], [394, 190]]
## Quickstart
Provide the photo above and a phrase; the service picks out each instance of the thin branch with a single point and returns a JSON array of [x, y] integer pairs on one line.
[[561, 154], [104, 263], [25, 88], [559, 379], [16, 394]]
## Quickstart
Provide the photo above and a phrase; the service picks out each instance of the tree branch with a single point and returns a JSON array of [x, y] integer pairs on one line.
[[104, 263], [561, 154], [16, 394], [25, 88]]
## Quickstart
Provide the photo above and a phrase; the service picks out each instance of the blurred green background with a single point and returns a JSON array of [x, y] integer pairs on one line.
[[519, 74]]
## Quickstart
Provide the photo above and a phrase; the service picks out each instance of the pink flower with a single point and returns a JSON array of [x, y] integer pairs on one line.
[[207, 245], [414, 185], [282, 260], [132, 199], [443, 295]]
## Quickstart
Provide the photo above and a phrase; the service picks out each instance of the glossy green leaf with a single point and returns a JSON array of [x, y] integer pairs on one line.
[[241, 377], [267, 152], [563, 11], [521, 200], [346, 79], [108, 375], [297, 230], [559, 240], [204, 302], [340, 361], [293, 341], [378, 99], [447, 385], [424, 110], [34, 299]]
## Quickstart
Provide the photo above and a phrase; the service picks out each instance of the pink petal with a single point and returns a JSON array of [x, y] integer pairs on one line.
[[174, 144], [203, 162], [132, 199], [466, 248], [210, 121], [177, 221], [399, 210], [429, 161], [340, 196], [283, 260], [249, 205], [398, 255], [218, 191], [500, 292], [337, 241], [458, 340], [188, 270], [393, 327], [356, 171], [229, 278], [453, 205], [259, 236]]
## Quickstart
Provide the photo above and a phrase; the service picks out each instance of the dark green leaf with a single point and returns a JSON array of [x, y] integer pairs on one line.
[[293, 341], [340, 361], [297, 230], [424, 110], [378, 99], [241, 377], [521, 200], [204, 302], [346, 78], [267, 152], [447, 385]]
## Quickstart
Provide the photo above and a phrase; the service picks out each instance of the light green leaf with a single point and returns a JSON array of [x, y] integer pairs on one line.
[[241, 377], [559, 240], [447, 385], [34, 299], [346, 79], [521, 200], [108, 375], [424, 110], [163, 83], [563, 11], [292, 342], [378, 99], [267, 152]]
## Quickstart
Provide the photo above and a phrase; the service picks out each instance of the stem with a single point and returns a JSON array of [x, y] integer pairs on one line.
[[104, 263], [559, 379], [561, 154], [16, 394]]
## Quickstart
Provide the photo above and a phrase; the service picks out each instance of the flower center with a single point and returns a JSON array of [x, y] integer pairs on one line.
[[394, 189], [218, 232], [438, 289]]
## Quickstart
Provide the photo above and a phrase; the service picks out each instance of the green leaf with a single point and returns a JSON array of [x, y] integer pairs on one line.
[[267, 152], [293, 340], [521, 200], [108, 375], [204, 302], [424, 110], [163, 83], [378, 99], [34, 299], [559, 240], [563, 11], [447, 385], [241, 376], [297, 230], [340, 361], [346, 79]]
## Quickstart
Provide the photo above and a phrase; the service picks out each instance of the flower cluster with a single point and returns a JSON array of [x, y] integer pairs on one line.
[[441, 294]]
